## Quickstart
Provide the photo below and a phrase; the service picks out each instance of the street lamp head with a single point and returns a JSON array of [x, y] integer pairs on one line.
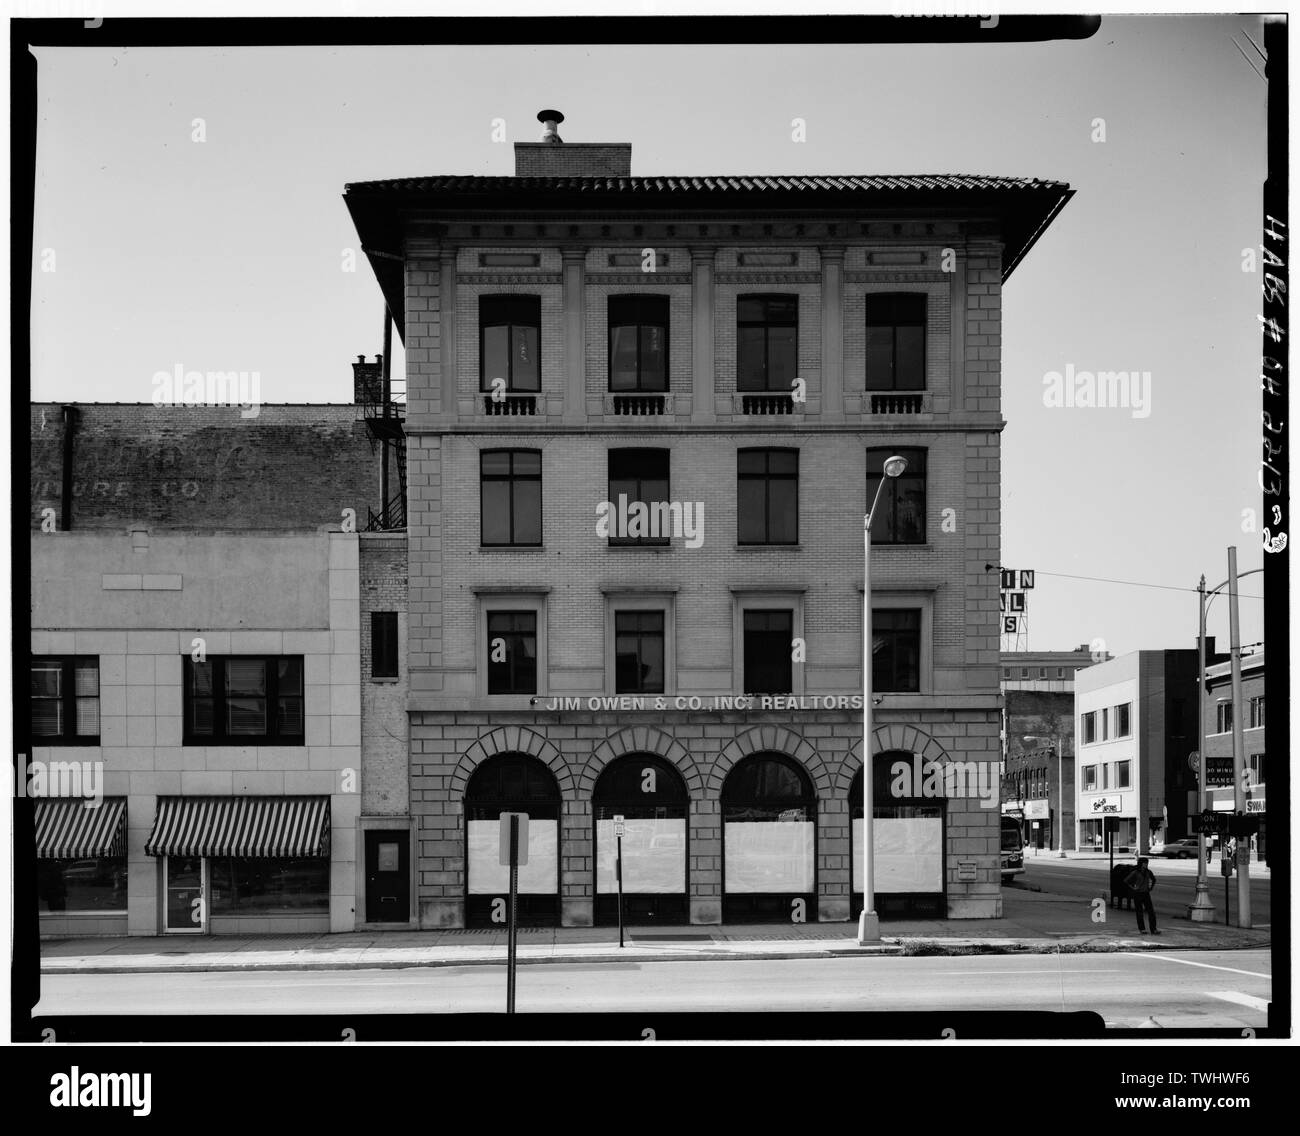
[[895, 466]]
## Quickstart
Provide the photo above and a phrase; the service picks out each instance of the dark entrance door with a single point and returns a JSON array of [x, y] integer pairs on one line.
[[388, 876]]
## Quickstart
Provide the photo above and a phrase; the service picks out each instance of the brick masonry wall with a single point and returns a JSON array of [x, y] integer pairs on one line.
[[573, 159], [575, 563], [704, 747], [187, 467], [384, 773], [983, 368], [969, 486]]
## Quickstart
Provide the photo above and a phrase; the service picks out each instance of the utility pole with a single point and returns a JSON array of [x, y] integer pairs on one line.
[[1202, 909], [1238, 742]]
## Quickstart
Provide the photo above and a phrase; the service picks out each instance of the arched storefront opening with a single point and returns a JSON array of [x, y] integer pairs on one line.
[[769, 842], [909, 813], [650, 795], [513, 783]]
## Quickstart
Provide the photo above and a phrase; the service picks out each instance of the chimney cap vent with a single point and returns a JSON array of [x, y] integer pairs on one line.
[[550, 119]]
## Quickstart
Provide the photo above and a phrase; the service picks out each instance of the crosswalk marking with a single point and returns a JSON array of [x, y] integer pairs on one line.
[[1249, 1000], [1206, 965]]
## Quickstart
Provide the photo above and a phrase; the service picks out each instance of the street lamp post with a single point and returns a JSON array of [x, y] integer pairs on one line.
[[1055, 739], [1202, 909], [869, 921]]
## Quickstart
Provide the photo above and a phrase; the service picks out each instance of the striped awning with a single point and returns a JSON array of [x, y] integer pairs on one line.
[[75, 828], [240, 826]]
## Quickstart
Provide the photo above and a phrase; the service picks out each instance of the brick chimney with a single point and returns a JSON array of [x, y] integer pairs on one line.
[[553, 157], [368, 380]]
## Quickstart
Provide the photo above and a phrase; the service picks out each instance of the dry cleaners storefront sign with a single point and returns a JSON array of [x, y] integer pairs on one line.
[[1113, 805]]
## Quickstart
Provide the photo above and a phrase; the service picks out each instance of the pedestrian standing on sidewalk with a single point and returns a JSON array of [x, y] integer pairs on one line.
[[1140, 881]]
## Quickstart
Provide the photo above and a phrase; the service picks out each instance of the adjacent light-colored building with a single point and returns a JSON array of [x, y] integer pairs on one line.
[[207, 684], [1135, 727]]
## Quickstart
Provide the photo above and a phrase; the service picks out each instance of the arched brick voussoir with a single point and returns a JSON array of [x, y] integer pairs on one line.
[[884, 739], [642, 739], [514, 739], [774, 739]]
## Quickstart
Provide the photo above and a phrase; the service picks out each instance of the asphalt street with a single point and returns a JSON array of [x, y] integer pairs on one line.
[[1184, 989], [1175, 884]]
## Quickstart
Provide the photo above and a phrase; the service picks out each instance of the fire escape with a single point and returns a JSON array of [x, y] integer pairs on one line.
[[384, 411]]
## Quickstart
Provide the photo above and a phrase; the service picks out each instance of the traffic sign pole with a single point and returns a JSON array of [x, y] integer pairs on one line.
[[619, 829], [514, 892]]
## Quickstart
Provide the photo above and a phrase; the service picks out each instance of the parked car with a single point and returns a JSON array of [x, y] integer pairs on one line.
[[1185, 849]]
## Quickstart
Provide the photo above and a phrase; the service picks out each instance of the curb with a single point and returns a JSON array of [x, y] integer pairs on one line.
[[483, 960], [913, 948]]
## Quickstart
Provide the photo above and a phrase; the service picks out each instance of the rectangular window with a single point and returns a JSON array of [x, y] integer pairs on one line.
[[896, 649], [512, 652], [896, 342], [65, 700], [1060, 672], [94, 884], [767, 497], [639, 652], [1256, 763], [383, 644], [1122, 774], [1042, 672], [768, 638], [1124, 720], [900, 516], [1105, 776], [1024, 672], [510, 497], [244, 700], [1104, 716], [638, 343], [510, 332], [1256, 719], [639, 475], [1223, 717], [247, 886], [1089, 776], [767, 343], [1088, 727]]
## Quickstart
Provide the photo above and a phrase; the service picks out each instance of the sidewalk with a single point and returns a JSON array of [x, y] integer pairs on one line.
[[1258, 869], [1032, 923]]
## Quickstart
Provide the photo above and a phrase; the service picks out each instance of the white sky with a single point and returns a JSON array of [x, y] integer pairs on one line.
[[226, 254]]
